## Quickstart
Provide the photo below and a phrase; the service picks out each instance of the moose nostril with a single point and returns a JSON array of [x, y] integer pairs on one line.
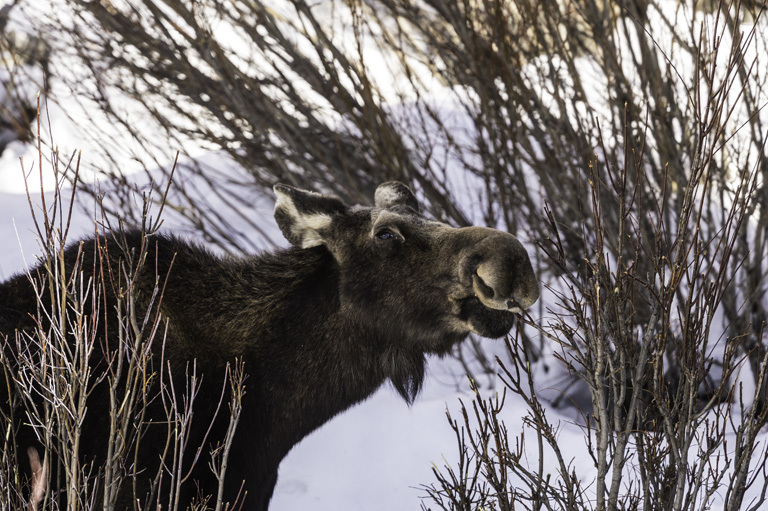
[[480, 285]]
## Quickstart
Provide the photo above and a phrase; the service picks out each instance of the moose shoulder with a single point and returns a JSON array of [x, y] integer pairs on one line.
[[360, 298]]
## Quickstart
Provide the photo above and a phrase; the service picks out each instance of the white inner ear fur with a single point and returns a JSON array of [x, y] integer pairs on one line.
[[388, 195], [306, 227]]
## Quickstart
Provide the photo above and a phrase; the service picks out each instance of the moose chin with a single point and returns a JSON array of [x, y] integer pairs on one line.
[[361, 297]]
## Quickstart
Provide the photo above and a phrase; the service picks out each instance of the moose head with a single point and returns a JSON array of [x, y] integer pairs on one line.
[[427, 282]]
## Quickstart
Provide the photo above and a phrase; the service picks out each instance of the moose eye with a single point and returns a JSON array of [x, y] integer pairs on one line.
[[385, 234]]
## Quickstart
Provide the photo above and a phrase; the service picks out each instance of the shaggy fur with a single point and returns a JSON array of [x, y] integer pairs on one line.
[[360, 298]]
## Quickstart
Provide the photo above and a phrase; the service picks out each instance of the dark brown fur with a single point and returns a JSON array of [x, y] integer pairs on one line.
[[362, 296]]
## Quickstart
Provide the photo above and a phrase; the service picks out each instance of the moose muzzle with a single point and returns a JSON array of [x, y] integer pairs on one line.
[[499, 269]]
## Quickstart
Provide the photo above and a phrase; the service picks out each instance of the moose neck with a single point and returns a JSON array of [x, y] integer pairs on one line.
[[318, 356]]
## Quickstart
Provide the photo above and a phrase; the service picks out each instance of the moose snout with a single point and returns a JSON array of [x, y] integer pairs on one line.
[[501, 273]]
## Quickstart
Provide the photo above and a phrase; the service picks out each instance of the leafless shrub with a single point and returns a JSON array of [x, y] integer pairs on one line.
[[69, 370], [665, 414], [651, 252], [23, 61]]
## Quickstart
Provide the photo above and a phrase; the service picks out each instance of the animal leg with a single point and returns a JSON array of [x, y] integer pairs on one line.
[[39, 478]]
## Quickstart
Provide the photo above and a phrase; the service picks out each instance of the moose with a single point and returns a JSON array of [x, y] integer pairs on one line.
[[360, 297]]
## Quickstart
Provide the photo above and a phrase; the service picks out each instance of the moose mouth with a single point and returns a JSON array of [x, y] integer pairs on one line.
[[493, 323]]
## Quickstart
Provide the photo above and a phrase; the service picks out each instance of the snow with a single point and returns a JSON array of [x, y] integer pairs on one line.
[[377, 453]]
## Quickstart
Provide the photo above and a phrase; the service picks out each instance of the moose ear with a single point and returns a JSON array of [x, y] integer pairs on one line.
[[304, 217], [395, 193]]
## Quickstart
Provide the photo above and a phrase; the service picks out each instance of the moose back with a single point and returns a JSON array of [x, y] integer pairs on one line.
[[361, 296]]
